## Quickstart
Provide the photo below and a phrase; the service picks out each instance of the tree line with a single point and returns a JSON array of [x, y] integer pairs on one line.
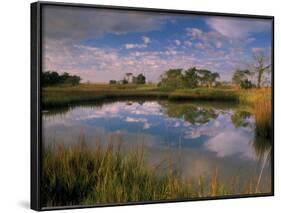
[[191, 78], [130, 78], [245, 78], [52, 78]]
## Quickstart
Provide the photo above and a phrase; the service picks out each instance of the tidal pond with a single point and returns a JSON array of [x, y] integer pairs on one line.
[[196, 139]]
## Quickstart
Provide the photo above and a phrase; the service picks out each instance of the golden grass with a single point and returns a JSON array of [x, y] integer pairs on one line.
[[263, 116], [79, 174], [69, 95]]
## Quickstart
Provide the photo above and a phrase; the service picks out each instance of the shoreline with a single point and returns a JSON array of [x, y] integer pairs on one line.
[[53, 97]]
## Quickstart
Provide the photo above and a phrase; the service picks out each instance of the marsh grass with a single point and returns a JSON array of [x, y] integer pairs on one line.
[[207, 94], [71, 95], [66, 96], [80, 174], [263, 117]]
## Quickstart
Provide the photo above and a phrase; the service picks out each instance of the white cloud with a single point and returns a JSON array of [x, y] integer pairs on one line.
[[133, 46], [205, 40], [135, 120], [194, 32], [188, 43], [237, 28], [199, 45], [230, 143], [177, 42], [146, 124], [257, 50], [218, 44], [97, 64], [82, 23], [146, 40]]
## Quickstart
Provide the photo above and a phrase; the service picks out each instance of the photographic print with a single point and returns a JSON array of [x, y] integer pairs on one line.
[[143, 106]]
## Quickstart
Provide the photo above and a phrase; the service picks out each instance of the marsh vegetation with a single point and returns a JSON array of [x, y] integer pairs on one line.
[[81, 175]]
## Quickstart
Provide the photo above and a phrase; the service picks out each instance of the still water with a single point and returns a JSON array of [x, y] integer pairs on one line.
[[196, 138]]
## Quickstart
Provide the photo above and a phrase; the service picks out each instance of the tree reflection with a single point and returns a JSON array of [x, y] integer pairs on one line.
[[262, 143], [191, 113], [240, 118]]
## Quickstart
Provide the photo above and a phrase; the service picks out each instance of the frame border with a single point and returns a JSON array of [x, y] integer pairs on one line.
[[36, 116]]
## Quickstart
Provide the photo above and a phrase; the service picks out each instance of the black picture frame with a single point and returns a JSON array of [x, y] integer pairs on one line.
[[36, 117]]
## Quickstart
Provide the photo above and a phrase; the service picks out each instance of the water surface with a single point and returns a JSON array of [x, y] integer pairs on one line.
[[197, 139]]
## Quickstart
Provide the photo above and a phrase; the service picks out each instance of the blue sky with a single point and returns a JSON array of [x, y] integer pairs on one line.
[[100, 44]]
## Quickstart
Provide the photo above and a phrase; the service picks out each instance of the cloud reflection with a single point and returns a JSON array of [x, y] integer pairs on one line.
[[230, 143]]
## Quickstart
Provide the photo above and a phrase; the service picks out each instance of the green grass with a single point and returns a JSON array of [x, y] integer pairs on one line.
[[80, 174], [206, 94], [66, 96]]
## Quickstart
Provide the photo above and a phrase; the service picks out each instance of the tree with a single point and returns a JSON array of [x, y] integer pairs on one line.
[[213, 78], [112, 82], [206, 77], [171, 79], [64, 77], [203, 76], [259, 66], [124, 81], [240, 77], [190, 78], [73, 80], [128, 76], [51, 78], [246, 84], [139, 79]]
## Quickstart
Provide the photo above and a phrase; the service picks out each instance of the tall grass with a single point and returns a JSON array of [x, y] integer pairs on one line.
[[263, 142], [65, 96], [80, 174], [205, 94], [263, 117]]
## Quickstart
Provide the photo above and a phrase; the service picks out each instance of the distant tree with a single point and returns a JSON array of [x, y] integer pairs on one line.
[[190, 78], [124, 81], [171, 79], [246, 84], [213, 78], [112, 82], [207, 78], [203, 76], [260, 66], [128, 76], [240, 77], [139, 79], [73, 80], [51, 78], [64, 77]]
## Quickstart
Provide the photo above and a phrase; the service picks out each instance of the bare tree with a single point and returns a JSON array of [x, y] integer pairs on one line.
[[259, 65], [128, 76]]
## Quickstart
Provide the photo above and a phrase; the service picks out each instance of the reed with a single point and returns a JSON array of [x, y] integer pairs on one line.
[[80, 174], [263, 117]]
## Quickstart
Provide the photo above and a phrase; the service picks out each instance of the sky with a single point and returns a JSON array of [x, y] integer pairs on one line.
[[102, 44]]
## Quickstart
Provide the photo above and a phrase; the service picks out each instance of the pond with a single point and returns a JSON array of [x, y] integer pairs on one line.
[[197, 139]]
